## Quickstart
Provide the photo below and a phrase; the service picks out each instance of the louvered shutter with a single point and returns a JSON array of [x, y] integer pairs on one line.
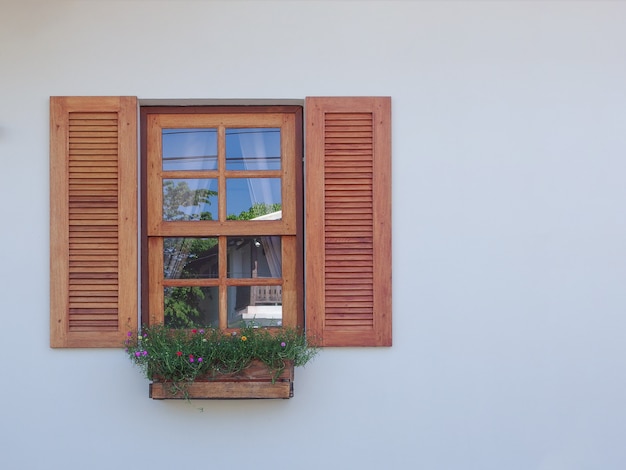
[[348, 221], [93, 220]]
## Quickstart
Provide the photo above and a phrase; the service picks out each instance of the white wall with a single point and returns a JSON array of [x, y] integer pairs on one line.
[[509, 233]]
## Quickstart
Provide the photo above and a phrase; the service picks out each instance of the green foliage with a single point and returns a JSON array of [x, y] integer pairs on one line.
[[257, 210], [180, 306], [181, 356], [198, 247]]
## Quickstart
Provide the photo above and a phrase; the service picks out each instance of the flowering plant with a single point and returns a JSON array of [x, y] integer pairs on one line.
[[186, 355]]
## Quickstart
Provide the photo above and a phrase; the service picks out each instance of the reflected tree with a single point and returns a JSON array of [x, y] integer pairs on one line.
[[181, 306], [178, 195], [257, 210]]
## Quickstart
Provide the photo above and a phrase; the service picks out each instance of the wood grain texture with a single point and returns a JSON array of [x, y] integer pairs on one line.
[[222, 390], [256, 381]]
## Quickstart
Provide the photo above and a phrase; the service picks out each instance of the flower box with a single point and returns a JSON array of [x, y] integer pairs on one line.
[[255, 381], [212, 364]]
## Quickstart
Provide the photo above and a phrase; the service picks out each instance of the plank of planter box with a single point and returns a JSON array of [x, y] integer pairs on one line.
[[223, 390], [255, 371]]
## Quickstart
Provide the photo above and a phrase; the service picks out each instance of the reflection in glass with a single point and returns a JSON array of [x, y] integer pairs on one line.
[[190, 258], [255, 306], [253, 149], [189, 149], [251, 198], [190, 199], [252, 257], [191, 306]]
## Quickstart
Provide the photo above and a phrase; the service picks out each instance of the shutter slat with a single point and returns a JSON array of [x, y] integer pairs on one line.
[[92, 288]]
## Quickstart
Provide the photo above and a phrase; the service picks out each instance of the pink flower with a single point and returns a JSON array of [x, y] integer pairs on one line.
[[194, 331], [199, 359], [283, 344], [179, 353]]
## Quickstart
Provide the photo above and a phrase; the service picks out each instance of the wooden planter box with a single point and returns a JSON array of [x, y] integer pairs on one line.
[[256, 381]]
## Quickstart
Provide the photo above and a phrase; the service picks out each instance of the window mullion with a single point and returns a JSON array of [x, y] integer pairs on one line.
[[221, 195], [223, 273], [221, 166]]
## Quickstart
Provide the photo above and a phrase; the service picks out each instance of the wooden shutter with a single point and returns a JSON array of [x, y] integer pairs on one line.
[[348, 221], [93, 220]]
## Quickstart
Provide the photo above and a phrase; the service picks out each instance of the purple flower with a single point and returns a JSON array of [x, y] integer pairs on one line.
[[283, 344], [137, 354], [130, 333], [145, 353], [199, 359], [201, 332]]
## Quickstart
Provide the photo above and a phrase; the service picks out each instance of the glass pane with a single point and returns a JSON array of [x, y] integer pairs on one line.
[[190, 199], [253, 198], [189, 149], [188, 307], [253, 149], [190, 258], [255, 306], [254, 257]]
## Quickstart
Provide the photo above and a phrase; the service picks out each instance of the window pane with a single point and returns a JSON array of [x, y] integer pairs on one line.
[[188, 307], [254, 257], [253, 149], [253, 198], [190, 199], [190, 258], [255, 306], [189, 149]]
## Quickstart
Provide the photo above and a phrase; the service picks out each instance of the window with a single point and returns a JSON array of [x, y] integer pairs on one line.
[[223, 216], [209, 255]]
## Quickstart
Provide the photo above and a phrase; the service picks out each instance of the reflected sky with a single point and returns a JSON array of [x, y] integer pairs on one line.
[[253, 149], [189, 149]]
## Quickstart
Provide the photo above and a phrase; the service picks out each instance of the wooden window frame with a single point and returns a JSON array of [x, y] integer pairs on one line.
[[290, 227]]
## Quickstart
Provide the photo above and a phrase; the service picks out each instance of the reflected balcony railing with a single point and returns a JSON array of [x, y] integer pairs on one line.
[[266, 295]]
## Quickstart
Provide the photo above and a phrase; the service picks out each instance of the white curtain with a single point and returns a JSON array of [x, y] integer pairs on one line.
[[272, 245]]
